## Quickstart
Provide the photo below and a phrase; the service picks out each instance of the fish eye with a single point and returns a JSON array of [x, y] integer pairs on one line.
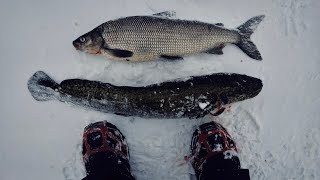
[[82, 39]]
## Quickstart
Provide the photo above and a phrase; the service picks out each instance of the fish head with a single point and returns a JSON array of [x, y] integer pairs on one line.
[[246, 87], [238, 88], [91, 42]]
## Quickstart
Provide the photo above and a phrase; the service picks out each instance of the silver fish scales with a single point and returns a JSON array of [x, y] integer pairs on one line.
[[158, 36], [140, 38]]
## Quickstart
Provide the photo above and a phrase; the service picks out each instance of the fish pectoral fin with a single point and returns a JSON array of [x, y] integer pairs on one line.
[[121, 114], [119, 53], [166, 14], [218, 112], [171, 57], [219, 24], [217, 50]]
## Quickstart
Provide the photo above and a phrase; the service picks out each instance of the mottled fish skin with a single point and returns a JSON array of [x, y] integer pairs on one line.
[[142, 38], [173, 99]]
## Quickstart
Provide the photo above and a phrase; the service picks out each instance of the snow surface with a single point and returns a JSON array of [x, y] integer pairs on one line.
[[278, 132]]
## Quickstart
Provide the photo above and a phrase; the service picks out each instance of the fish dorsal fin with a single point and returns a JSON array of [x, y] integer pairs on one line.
[[219, 24], [166, 14]]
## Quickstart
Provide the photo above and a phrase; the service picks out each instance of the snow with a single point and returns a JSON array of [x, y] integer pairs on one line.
[[203, 105], [277, 132], [229, 154]]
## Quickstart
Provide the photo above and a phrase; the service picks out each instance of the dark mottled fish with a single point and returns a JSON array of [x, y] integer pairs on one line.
[[193, 97], [141, 38]]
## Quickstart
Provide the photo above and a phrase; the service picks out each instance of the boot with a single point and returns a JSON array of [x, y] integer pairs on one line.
[[215, 154], [105, 153]]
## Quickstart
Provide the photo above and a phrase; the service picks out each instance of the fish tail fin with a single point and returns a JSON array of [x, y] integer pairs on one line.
[[42, 87], [245, 31]]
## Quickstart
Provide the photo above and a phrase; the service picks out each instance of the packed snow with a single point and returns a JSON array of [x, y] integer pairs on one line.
[[277, 132]]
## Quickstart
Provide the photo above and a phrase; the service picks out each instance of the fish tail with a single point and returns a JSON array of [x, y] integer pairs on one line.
[[245, 31], [42, 87]]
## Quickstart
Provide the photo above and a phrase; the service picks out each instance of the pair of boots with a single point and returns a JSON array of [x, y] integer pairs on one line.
[[214, 153]]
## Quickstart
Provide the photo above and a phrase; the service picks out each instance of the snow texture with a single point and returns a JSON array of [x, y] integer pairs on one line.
[[203, 105], [277, 132]]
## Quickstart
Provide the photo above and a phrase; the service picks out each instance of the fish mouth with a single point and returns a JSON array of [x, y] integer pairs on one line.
[[255, 92], [257, 87], [252, 87], [77, 45]]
